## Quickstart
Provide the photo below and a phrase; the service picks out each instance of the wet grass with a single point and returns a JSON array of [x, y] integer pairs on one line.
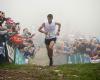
[[62, 72]]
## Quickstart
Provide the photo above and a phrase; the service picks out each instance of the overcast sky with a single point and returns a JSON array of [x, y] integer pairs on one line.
[[74, 15]]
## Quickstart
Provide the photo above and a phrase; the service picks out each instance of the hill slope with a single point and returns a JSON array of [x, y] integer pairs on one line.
[[63, 72]]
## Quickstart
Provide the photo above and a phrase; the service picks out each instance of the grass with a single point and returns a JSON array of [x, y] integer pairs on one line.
[[62, 72]]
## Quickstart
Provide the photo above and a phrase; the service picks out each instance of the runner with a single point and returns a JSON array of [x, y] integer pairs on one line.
[[50, 35]]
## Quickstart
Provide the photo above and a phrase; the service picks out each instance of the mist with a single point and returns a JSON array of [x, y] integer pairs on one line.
[[75, 15]]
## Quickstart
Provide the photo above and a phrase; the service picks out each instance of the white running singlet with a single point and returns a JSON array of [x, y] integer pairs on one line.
[[50, 28]]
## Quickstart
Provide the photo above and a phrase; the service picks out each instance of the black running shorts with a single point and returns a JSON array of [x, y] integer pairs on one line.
[[47, 41]]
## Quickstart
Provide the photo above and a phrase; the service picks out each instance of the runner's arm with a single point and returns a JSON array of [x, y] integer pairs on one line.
[[59, 27], [41, 27]]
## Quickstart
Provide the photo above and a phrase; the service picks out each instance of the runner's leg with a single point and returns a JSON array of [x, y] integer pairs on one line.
[[50, 55]]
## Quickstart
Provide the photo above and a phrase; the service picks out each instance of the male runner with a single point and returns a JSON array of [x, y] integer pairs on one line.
[[49, 29]]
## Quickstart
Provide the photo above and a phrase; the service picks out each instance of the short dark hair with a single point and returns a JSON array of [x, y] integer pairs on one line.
[[17, 23], [50, 16]]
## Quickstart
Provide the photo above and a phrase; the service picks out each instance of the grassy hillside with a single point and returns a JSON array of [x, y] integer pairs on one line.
[[63, 72]]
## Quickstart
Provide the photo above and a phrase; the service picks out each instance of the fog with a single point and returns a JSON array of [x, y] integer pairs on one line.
[[75, 15]]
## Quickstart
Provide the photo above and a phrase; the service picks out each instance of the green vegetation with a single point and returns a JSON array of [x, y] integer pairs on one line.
[[62, 72]]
